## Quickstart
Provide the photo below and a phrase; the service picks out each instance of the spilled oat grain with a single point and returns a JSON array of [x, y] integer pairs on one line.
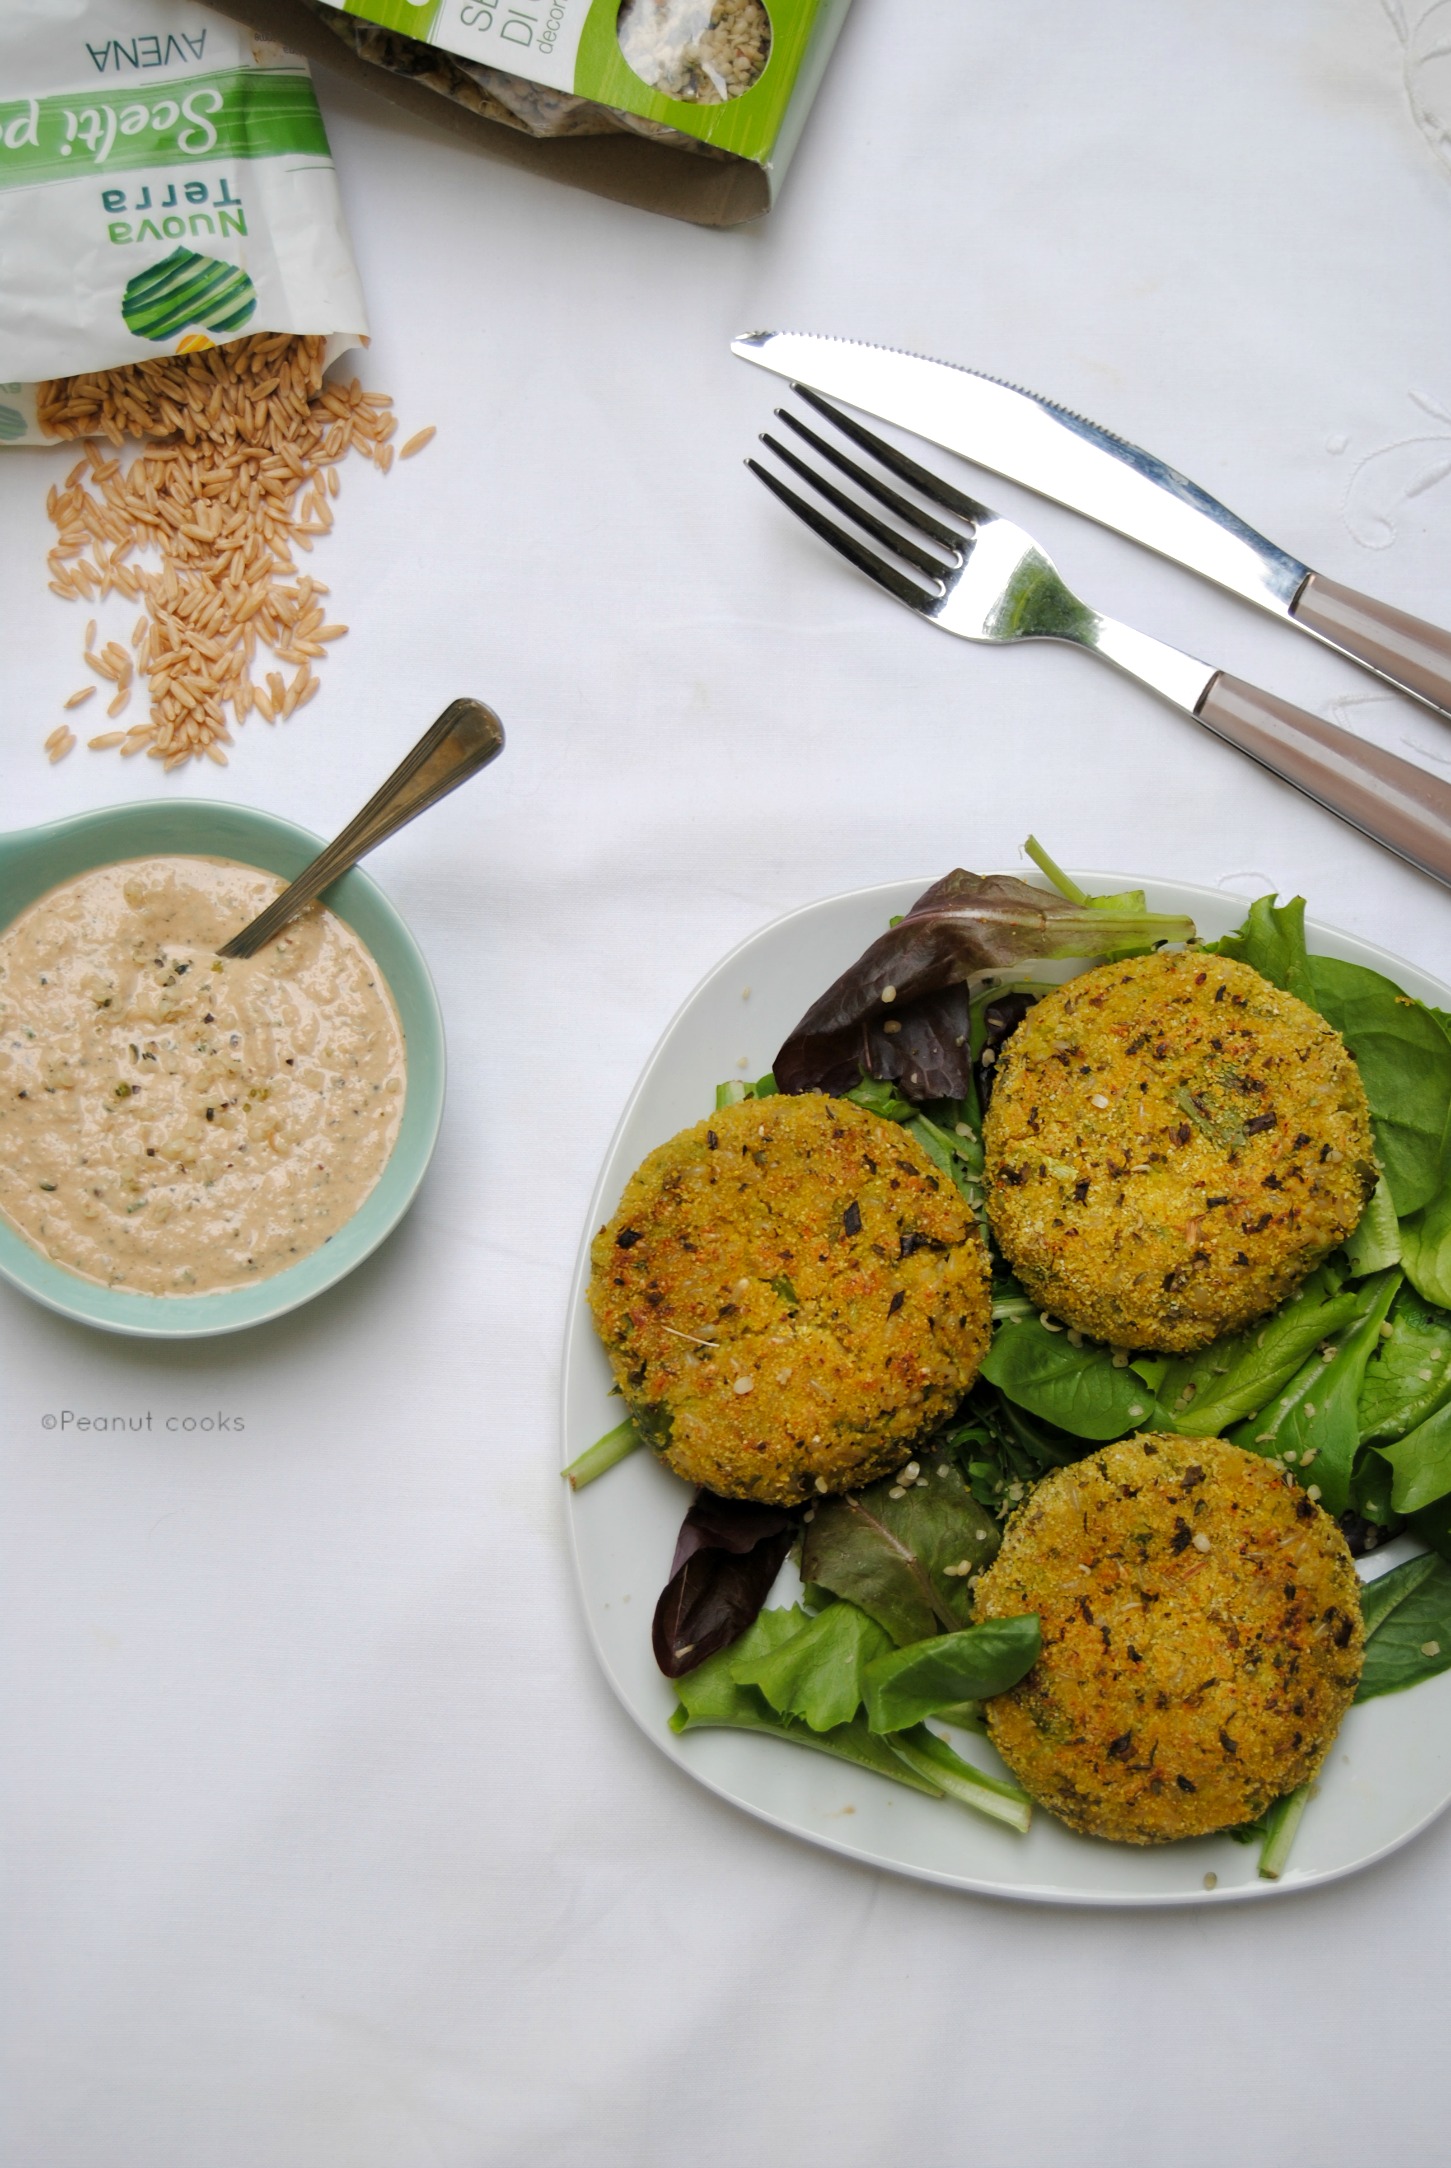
[[236, 472]]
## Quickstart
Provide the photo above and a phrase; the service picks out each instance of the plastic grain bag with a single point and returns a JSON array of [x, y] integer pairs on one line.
[[165, 186]]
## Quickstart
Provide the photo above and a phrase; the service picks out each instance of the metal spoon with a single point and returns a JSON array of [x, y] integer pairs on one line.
[[466, 737]]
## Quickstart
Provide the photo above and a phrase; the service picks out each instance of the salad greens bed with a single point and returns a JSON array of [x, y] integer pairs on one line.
[[1346, 1387]]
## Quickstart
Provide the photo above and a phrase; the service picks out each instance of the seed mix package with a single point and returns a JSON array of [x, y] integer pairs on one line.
[[689, 107], [165, 186]]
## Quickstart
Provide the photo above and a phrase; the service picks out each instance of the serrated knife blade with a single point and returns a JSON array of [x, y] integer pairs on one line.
[[1071, 460]]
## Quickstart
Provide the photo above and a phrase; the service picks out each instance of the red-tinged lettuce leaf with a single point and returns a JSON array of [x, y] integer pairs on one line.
[[964, 925], [727, 1555], [900, 1559]]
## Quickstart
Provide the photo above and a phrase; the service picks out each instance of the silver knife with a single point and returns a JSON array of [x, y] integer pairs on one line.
[[1073, 461]]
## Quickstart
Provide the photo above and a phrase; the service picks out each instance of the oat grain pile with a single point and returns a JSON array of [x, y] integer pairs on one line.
[[237, 472]]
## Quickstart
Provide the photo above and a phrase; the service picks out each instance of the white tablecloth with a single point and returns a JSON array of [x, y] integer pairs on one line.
[[328, 1845]]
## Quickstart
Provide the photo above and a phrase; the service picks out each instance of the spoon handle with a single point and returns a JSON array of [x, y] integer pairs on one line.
[[466, 737]]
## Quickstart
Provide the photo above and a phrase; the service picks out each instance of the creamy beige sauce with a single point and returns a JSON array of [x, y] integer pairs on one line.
[[171, 1123]]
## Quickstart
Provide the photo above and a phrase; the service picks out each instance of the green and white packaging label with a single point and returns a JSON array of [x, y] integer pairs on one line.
[[575, 46], [538, 39], [165, 185]]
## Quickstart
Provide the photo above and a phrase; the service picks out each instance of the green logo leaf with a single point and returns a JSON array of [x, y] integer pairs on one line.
[[183, 289]]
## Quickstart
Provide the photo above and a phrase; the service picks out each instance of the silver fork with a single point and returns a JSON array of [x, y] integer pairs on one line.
[[988, 580]]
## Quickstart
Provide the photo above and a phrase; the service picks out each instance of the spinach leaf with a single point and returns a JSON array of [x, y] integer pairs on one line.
[[1432, 1526], [727, 1555], [1202, 1395], [914, 976], [904, 1685], [1272, 942], [1315, 1422], [1002, 1450], [1378, 1598], [933, 1759], [710, 1697], [1426, 1249], [1370, 1494], [1407, 1616], [1422, 1463], [817, 1674], [1404, 1058], [1408, 1376], [1376, 1242], [1073, 1383], [901, 1559]]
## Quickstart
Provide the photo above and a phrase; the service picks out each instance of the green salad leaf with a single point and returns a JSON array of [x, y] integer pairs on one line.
[[606, 1453], [1314, 1423], [1376, 1242], [1403, 1054], [905, 1685], [956, 1151], [1370, 1491], [934, 1760], [817, 1673], [1069, 1381], [1407, 1615], [1272, 942], [1203, 1395], [905, 1560], [881, 1099], [1378, 1598], [1408, 1376], [1281, 1821], [1431, 1526], [1426, 1249], [1126, 903], [1421, 1463], [709, 1696]]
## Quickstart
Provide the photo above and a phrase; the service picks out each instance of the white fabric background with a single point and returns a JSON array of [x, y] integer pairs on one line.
[[329, 1847]]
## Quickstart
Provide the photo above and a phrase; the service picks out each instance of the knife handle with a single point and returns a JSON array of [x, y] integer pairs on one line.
[[1389, 799], [1404, 649]]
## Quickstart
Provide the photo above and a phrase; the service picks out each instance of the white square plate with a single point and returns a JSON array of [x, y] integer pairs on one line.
[[1389, 1772]]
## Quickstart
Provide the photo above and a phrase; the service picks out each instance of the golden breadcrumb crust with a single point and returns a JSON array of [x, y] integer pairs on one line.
[[791, 1295], [1171, 1146], [1202, 1639]]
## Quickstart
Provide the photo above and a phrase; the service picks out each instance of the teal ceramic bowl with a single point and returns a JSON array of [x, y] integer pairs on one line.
[[37, 858]]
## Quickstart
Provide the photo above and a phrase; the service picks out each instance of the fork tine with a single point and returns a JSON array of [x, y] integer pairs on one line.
[[900, 545], [865, 560], [905, 469], [913, 514]]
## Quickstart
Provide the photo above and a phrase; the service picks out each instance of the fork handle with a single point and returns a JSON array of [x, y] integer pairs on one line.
[[1391, 800], [1404, 649]]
